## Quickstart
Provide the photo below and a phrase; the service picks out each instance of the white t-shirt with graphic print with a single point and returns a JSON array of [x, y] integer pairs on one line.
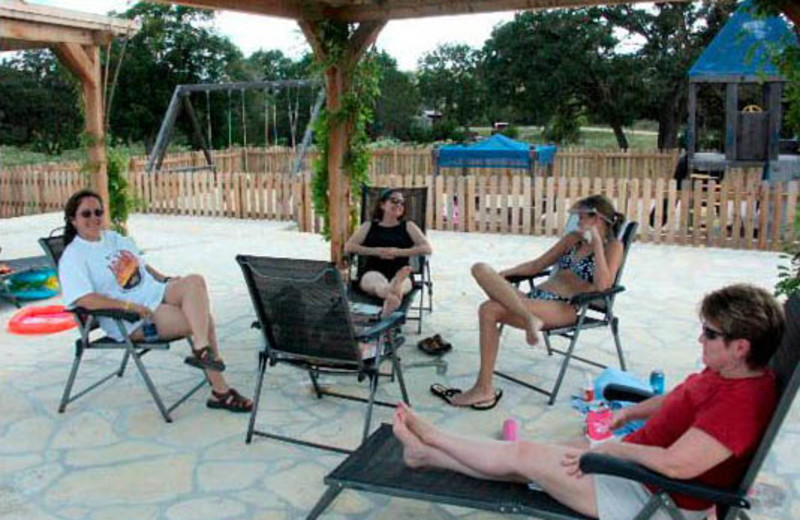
[[111, 267]]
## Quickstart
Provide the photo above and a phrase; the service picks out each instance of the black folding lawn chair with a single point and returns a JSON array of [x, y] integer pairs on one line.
[[594, 310], [377, 466], [306, 320], [415, 211], [18, 266], [87, 324]]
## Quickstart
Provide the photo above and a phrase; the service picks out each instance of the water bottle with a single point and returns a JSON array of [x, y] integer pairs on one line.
[[149, 331], [657, 381]]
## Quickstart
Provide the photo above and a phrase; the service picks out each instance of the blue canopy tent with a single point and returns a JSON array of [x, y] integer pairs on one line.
[[742, 53], [498, 151]]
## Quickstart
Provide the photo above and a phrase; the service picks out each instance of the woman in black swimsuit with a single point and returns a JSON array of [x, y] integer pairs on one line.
[[584, 260], [388, 241]]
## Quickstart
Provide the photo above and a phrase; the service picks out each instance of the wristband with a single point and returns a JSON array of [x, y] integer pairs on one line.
[[126, 306]]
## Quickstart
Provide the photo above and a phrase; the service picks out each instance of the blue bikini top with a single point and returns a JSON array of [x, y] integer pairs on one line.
[[583, 267]]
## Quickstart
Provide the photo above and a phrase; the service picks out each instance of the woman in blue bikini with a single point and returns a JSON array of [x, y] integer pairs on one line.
[[584, 260]]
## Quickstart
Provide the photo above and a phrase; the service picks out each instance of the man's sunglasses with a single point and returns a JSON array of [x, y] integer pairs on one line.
[[87, 213], [397, 202], [712, 334]]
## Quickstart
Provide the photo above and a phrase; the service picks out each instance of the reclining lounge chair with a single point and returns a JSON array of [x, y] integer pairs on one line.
[[377, 466]]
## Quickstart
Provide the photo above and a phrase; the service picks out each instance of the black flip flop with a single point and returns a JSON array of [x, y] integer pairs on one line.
[[445, 393], [488, 405]]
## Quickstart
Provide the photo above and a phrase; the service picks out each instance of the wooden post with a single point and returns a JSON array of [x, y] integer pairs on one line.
[[84, 61], [338, 76], [731, 121]]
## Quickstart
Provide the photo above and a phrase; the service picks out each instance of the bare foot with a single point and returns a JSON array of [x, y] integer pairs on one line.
[[390, 304], [396, 285], [532, 331], [413, 448], [422, 429], [473, 396]]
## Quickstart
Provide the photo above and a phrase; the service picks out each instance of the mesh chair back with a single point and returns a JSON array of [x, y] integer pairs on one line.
[[416, 203], [54, 247], [302, 307], [786, 364], [627, 234]]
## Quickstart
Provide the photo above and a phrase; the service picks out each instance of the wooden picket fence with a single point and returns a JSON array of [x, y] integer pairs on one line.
[[741, 214]]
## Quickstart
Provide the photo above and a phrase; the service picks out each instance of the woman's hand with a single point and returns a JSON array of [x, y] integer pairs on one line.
[[388, 253], [141, 310], [620, 419]]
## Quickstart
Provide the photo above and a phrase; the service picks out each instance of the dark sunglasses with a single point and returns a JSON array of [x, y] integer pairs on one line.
[[87, 213], [397, 202], [712, 334]]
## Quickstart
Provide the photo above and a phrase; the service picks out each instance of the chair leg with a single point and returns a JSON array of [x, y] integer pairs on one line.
[[262, 369], [396, 368], [547, 344], [373, 387], [567, 355], [149, 382], [73, 372], [615, 333], [123, 364], [314, 381], [324, 501]]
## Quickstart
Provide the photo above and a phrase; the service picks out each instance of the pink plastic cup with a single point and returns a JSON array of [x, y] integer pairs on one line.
[[510, 429]]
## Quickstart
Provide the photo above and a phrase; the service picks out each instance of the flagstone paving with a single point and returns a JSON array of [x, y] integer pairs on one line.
[[110, 456]]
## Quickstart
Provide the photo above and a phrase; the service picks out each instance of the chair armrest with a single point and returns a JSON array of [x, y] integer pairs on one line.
[[116, 314], [589, 297], [517, 279], [617, 392], [608, 465], [395, 319]]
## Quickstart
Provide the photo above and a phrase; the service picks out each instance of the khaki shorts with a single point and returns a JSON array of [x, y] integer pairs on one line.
[[622, 499]]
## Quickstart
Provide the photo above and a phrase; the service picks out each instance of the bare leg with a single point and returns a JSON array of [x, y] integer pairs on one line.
[[515, 461], [400, 284], [373, 282], [191, 295], [498, 289], [172, 323]]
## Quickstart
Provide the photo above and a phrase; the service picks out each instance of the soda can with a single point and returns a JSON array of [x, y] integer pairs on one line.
[[657, 381], [149, 331]]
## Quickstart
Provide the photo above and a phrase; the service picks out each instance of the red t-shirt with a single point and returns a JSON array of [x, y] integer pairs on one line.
[[735, 412]]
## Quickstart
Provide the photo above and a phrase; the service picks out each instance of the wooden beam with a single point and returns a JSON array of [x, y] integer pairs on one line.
[[78, 61], [36, 32], [366, 10], [365, 35], [93, 103], [19, 45]]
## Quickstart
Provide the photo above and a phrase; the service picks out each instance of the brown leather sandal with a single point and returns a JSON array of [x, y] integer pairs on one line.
[[231, 400], [203, 358]]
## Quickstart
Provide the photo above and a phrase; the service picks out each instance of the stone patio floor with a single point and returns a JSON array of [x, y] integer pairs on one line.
[[110, 456]]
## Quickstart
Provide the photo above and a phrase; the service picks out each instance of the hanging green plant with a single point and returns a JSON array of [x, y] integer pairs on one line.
[[120, 201], [357, 111]]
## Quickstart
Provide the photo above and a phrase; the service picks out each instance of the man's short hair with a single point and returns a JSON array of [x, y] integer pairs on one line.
[[744, 311]]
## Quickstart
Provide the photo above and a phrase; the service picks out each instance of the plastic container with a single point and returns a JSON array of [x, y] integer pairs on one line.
[[587, 392], [657, 382], [510, 429], [598, 423]]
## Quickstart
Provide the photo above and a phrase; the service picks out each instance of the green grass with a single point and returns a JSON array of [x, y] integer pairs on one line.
[[640, 137], [15, 156]]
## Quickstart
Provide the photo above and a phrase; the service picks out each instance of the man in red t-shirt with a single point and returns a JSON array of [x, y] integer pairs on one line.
[[706, 429]]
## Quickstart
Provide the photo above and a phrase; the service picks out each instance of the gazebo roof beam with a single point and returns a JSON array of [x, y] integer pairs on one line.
[[36, 32], [63, 18], [368, 10]]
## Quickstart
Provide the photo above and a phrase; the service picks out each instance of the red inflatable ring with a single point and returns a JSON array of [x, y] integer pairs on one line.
[[41, 320]]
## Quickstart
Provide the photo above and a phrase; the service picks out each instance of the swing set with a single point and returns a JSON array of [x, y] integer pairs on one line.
[[272, 92]]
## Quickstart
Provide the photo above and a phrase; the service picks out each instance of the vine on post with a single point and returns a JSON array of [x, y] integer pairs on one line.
[[357, 112]]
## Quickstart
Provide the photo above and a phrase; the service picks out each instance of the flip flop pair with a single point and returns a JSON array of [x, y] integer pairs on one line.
[[446, 394], [435, 345]]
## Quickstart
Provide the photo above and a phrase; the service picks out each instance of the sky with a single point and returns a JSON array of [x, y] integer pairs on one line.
[[405, 40]]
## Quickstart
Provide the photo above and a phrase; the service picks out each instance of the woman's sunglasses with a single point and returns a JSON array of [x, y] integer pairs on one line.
[[397, 202], [87, 213], [712, 334]]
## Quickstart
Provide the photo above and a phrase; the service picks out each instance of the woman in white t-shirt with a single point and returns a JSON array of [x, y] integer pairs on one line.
[[101, 269]]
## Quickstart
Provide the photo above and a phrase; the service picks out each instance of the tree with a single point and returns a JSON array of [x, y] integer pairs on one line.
[[399, 101], [545, 65], [40, 103], [449, 82], [674, 34], [175, 45]]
